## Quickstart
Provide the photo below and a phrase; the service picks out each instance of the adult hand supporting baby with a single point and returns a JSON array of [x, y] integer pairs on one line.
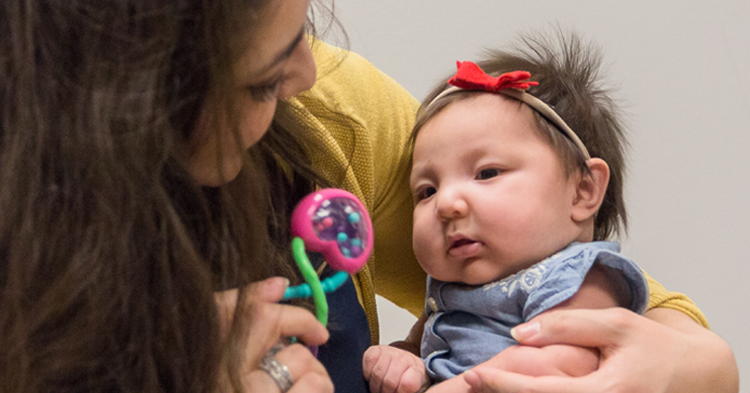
[[663, 352], [270, 324]]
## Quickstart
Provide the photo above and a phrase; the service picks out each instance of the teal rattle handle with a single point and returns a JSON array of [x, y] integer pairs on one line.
[[329, 285]]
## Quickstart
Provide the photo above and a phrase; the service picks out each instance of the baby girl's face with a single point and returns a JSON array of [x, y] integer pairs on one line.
[[492, 197]]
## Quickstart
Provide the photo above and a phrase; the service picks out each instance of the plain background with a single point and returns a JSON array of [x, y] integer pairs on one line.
[[682, 74]]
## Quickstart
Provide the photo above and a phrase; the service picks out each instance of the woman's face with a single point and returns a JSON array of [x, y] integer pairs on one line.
[[275, 63]]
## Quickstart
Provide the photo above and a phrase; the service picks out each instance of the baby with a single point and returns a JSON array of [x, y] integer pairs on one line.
[[517, 182]]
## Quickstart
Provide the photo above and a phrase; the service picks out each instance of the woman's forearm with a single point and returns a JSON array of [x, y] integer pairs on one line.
[[709, 364], [663, 352]]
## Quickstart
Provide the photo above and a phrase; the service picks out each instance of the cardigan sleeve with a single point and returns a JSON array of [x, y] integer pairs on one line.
[[661, 298]]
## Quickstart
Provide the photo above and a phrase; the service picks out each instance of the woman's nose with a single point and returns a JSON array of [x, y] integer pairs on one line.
[[301, 71], [451, 204]]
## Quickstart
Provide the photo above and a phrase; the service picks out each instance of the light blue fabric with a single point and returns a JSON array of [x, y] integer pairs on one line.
[[467, 325]]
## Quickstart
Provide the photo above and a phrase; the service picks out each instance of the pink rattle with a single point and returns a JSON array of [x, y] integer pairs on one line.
[[334, 223]]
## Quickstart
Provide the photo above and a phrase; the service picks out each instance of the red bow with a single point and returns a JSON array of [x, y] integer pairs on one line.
[[469, 76]]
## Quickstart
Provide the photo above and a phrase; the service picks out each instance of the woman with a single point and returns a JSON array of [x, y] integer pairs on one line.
[[114, 117], [150, 154]]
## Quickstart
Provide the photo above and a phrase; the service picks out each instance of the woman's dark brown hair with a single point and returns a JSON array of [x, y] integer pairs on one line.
[[109, 252], [569, 74]]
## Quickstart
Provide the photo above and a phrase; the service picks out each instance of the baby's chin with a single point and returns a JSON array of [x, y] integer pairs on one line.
[[480, 281], [473, 278]]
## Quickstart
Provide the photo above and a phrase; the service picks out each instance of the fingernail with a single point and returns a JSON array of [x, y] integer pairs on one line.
[[525, 331], [472, 379], [274, 281]]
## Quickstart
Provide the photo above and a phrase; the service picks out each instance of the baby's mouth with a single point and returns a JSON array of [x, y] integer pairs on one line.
[[465, 248], [461, 242]]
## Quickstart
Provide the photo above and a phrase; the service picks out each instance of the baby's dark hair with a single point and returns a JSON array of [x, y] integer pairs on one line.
[[568, 72]]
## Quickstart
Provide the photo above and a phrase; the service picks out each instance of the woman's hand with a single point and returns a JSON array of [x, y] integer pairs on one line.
[[268, 324], [664, 352]]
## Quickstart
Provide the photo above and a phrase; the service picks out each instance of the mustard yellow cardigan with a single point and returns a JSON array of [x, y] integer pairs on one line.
[[360, 120]]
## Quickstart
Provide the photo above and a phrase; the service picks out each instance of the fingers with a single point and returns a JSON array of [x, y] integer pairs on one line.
[[586, 328], [412, 381], [270, 290], [489, 380], [374, 368], [389, 370], [313, 383], [306, 371], [266, 322], [270, 321], [292, 321], [259, 381]]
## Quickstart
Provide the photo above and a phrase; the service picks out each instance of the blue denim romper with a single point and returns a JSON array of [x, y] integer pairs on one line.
[[467, 325]]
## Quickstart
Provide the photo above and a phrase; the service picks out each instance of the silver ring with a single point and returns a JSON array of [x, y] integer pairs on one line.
[[277, 370]]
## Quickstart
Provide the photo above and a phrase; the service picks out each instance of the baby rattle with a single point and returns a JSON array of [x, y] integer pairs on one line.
[[334, 223]]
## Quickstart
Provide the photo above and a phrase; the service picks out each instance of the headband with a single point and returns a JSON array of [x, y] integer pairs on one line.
[[512, 84]]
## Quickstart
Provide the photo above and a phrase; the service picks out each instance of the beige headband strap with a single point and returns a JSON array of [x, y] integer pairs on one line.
[[538, 105]]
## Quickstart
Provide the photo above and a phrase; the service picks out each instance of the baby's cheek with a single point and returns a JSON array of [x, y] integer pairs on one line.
[[420, 248], [424, 249]]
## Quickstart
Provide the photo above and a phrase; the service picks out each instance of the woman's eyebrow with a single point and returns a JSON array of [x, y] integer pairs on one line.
[[284, 54]]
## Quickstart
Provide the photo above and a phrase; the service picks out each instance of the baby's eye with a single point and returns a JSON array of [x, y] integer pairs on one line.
[[425, 193], [489, 173]]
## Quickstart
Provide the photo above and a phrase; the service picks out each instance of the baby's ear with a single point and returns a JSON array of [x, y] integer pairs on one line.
[[591, 189]]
